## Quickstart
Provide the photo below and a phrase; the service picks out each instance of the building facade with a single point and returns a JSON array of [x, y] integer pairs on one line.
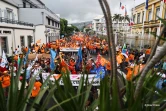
[[99, 25], [146, 21], [13, 32], [47, 23], [23, 22]]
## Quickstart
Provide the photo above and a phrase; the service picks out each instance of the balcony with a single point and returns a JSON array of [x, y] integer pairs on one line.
[[152, 22], [137, 25], [146, 22], [5, 20]]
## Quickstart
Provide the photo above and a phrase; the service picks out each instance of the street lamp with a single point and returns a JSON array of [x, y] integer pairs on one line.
[[46, 34]]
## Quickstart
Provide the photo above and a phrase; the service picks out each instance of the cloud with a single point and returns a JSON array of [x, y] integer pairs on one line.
[[86, 10]]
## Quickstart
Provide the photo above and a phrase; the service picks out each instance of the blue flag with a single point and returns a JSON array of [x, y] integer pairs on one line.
[[53, 55], [146, 7], [26, 56], [100, 71], [79, 60]]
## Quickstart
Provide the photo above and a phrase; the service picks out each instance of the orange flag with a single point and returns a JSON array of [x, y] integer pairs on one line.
[[38, 42]]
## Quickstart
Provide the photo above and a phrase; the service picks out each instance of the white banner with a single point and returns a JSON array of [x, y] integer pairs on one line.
[[75, 79], [69, 49]]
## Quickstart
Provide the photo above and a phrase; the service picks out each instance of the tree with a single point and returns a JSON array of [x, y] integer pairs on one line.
[[70, 30], [75, 28], [117, 17], [63, 26], [126, 18], [87, 30]]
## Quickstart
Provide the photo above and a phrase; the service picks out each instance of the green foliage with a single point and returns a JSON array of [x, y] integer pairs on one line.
[[119, 17], [71, 29], [87, 30], [65, 29], [63, 26]]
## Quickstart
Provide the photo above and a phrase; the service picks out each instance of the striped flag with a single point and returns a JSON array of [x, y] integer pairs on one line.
[[125, 11], [146, 7], [163, 1], [120, 4]]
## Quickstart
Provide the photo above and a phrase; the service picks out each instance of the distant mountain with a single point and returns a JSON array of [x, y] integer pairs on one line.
[[81, 24]]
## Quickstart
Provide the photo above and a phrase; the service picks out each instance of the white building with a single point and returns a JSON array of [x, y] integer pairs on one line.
[[39, 23], [99, 25], [119, 28], [13, 33], [34, 11]]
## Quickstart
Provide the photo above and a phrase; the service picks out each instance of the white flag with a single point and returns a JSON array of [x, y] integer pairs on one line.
[[4, 60]]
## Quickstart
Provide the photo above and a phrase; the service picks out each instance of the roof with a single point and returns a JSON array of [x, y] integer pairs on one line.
[[99, 17], [143, 4], [10, 3]]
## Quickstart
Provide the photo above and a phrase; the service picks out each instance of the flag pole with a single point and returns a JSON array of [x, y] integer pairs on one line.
[[143, 25]]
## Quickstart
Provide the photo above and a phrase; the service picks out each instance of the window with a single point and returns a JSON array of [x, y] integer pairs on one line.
[[143, 17], [157, 12], [48, 21], [24, 5], [22, 41], [138, 18], [49, 39], [134, 18], [150, 15], [165, 14], [9, 14], [52, 23], [31, 6], [30, 40], [4, 45], [6, 32], [55, 24]]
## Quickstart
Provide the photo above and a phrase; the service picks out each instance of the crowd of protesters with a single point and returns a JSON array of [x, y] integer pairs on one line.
[[128, 60]]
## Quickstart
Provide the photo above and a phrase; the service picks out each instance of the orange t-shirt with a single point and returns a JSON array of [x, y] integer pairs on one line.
[[129, 74], [148, 51], [119, 59], [6, 81], [108, 66], [36, 89], [131, 57], [42, 50]]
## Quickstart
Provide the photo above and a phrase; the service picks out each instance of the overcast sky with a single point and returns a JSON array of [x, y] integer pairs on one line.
[[85, 10]]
